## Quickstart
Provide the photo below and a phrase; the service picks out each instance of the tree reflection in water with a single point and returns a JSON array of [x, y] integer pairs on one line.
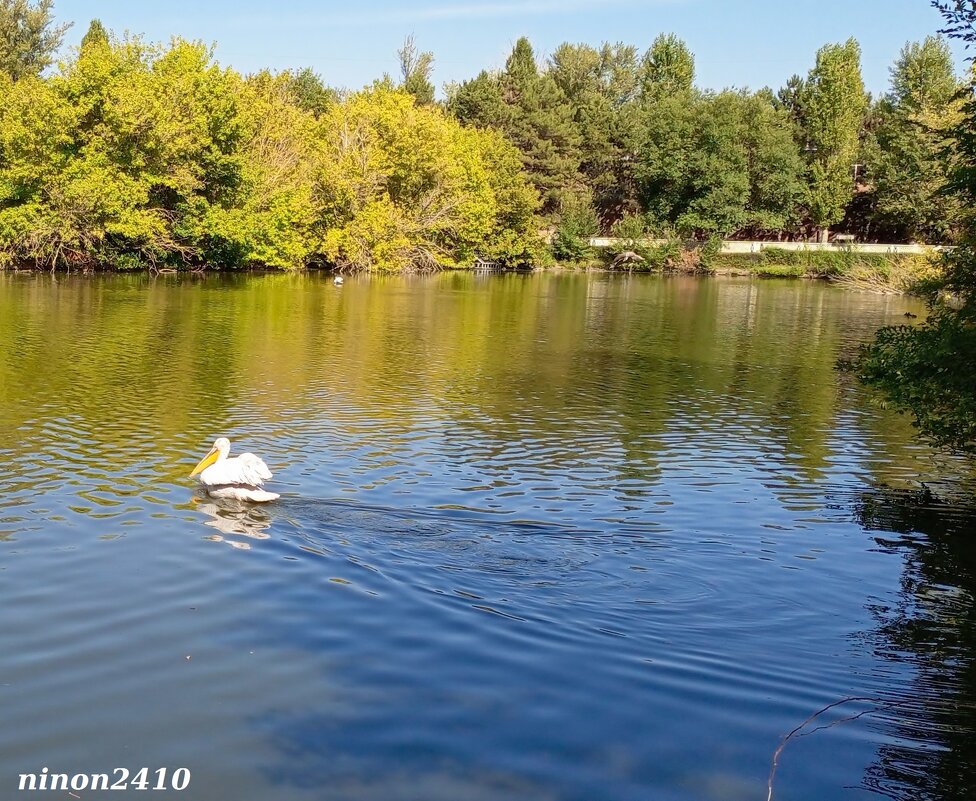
[[931, 750]]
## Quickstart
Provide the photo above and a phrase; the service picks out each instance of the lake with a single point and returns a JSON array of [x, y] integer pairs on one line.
[[546, 536]]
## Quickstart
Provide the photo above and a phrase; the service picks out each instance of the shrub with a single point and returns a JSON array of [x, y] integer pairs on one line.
[[577, 223]]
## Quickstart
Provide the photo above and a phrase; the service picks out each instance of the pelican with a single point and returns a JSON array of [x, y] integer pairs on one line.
[[337, 280], [240, 478]]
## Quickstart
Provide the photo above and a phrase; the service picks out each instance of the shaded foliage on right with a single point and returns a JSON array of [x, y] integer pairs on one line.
[[930, 370]]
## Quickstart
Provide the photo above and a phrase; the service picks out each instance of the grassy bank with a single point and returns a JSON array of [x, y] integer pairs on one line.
[[882, 272], [888, 273]]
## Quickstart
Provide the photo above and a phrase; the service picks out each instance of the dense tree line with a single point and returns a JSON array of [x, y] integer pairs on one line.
[[134, 155], [130, 154], [623, 135], [929, 370]]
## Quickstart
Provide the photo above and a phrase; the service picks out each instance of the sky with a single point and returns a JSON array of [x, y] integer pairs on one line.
[[741, 43]]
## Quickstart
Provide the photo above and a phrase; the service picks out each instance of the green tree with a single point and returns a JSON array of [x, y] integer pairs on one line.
[[95, 35], [480, 102], [406, 187], [542, 126], [930, 370], [668, 68], [520, 66], [28, 37], [309, 91], [137, 155], [415, 69], [719, 164], [793, 97], [600, 84], [833, 113], [530, 108], [144, 155], [907, 164], [576, 223], [923, 77]]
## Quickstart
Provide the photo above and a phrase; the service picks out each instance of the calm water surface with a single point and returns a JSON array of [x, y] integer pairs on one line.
[[541, 537]]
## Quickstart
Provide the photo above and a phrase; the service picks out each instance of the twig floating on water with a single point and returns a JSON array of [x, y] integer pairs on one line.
[[796, 732]]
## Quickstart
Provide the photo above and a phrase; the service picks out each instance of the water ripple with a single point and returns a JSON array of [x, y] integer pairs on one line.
[[540, 537]]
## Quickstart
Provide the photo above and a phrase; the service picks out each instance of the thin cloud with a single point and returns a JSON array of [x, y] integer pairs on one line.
[[500, 9], [512, 9]]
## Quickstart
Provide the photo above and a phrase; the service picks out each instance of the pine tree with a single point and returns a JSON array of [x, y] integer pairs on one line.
[[532, 111], [601, 86], [668, 68], [96, 35]]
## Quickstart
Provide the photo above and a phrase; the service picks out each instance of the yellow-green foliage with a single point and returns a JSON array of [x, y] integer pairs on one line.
[[405, 186], [137, 155]]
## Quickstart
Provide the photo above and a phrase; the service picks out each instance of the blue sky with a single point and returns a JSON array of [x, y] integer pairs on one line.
[[750, 43]]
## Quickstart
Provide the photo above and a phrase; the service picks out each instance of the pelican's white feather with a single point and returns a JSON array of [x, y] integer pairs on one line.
[[242, 494], [240, 477], [246, 469]]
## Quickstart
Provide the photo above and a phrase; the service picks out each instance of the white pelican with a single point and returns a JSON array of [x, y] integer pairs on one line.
[[240, 478]]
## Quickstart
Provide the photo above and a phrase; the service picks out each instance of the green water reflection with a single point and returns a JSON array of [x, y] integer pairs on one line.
[[141, 357]]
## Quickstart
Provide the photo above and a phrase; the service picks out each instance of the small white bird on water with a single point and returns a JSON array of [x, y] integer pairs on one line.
[[240, 477]]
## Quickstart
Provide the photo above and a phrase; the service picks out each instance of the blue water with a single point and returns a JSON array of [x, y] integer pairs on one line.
[[544, 537]]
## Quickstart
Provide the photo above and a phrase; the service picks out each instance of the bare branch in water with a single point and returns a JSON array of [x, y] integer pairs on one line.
[[796, 732], [839, 720]]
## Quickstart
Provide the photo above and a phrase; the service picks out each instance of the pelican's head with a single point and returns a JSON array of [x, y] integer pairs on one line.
[[220, 449]]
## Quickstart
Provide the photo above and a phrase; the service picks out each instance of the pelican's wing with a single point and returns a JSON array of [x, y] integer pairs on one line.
[[247, 469], [253, 469]]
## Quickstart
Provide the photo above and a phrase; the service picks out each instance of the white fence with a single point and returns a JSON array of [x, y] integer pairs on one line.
[[732, 246]]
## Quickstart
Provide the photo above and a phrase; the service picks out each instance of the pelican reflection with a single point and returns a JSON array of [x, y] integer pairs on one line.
[[234, 518]]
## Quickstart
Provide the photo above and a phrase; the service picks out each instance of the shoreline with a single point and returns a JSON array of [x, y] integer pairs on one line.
[[882, 280]]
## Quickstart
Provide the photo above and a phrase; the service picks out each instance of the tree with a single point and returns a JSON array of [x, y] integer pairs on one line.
[[138, 156], [668, 68], [406, 187], [930, 370], [309, 91], [923, 77], [520, 66], [601, 87], [480, 102], [907, 166], [28, 37], [95, 35], [719, 164], [415, 69], [793, 97], [833, 112], [132, 153], [576, 222], [533, 112]]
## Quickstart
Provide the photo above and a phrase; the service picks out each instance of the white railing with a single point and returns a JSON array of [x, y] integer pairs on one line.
[[734, 246]]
